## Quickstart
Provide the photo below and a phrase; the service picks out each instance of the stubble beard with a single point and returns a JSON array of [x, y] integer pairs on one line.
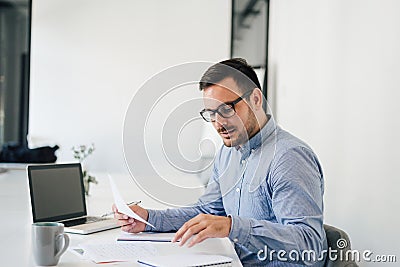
[[250, 125]]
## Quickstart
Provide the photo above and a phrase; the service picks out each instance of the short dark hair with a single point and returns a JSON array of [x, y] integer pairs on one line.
[[237, 68]]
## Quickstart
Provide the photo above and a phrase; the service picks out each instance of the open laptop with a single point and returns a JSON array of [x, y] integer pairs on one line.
[[58, 195]]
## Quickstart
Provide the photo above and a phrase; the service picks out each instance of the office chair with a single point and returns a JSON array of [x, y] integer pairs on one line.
[[338, 240]]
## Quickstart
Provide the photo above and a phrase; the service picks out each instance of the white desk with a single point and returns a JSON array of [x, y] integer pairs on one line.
[[16, 220]]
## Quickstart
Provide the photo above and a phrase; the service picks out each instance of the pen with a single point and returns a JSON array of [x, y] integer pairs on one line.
[[130, 203]]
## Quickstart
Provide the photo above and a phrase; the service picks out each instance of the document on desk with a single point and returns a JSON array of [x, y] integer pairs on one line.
[[186, 260], [121, 204], [146, 236], [116, 252]]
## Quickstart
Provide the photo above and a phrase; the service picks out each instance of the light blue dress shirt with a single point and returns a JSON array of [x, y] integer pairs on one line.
[[272, 188]]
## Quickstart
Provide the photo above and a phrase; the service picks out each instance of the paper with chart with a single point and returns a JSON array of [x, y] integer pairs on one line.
[[121, 204], [114, 252]]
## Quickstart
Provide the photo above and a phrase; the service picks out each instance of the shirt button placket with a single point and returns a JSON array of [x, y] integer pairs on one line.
[[238, 189], [237, 197]]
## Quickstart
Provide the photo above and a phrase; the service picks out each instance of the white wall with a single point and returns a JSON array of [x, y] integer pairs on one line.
[[334, 69], [90, 56]]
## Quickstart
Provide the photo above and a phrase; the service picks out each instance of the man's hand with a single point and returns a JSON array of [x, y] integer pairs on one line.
[[128, 224], [205, 226]]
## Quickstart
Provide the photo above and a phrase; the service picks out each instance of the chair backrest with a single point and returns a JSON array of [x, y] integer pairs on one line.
[[340, 241]]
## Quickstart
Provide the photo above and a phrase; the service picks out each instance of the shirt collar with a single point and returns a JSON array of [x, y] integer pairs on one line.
[[259, 138]]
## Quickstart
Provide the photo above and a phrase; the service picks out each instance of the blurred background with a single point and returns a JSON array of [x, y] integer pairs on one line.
[[329, 68]]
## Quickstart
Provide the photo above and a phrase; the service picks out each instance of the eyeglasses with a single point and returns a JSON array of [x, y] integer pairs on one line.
[[225, 110]]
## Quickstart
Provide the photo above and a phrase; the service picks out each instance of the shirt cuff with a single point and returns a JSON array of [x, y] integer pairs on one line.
[[154, 219], [240, 230]]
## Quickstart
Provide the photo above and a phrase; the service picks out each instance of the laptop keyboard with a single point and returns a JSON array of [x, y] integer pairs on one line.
[[85, 220]]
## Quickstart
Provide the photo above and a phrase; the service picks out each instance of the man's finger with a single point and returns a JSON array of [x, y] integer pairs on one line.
[[194, 229], [121, 216], [123, 222], [128, 227], [200, 237], [117, 214], [184, 228], [179, 233]]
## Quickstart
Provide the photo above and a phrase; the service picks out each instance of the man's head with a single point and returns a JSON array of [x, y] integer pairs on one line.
[[233, 100]]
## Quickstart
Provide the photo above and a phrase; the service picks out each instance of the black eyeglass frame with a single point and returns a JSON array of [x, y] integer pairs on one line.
[[232, 104]]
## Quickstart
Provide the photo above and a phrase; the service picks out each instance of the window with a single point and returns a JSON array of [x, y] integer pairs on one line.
[[250, 35], [14, 70]]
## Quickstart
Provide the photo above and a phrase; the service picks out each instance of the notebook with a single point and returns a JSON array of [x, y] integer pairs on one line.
[[58, 195], [186, 260]]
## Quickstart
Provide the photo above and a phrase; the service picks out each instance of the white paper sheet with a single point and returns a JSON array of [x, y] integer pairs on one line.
[[111, 252], [121, 204]]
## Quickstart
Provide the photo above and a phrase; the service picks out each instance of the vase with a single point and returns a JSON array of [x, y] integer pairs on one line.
[[86, 185]]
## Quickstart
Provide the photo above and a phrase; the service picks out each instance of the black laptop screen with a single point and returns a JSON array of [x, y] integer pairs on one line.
[[56, 192]]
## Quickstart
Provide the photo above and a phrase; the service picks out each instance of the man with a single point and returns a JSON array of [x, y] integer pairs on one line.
[[266, 191]]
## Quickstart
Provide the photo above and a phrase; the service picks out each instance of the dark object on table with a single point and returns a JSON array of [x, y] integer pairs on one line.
[[15, 153]]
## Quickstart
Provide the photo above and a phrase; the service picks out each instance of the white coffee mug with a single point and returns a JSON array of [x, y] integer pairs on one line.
[[49, 242]]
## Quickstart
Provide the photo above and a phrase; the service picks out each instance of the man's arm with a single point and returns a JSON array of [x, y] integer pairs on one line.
[[297, 192], [172, 219]]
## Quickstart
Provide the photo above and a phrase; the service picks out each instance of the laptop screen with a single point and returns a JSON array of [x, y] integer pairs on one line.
[[57, 192]]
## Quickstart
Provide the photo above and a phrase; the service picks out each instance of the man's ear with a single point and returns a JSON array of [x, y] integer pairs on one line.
[[257, 98]]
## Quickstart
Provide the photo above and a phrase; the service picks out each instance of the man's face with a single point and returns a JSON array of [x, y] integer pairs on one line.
[[237, 129]]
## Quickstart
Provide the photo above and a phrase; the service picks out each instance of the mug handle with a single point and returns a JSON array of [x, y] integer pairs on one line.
[[66, 244]]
